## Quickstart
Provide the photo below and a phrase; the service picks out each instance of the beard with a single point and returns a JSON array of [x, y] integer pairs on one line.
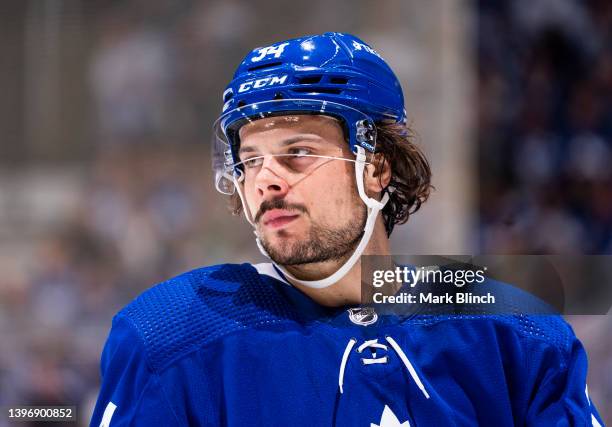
[[322, 243]]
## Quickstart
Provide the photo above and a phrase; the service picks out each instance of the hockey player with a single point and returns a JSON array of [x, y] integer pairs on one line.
[[313, 148]]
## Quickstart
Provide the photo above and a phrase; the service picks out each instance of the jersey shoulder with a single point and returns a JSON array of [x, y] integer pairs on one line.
[[515, 313], [200, 306], [550, 329]]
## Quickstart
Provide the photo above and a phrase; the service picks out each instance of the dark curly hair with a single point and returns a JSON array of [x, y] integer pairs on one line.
[[410, 183]]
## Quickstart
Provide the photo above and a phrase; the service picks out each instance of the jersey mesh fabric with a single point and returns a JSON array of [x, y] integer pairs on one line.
[[201, 306], [550, 329]]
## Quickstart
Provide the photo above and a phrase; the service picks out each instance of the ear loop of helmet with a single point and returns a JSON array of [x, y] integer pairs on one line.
[[373, 208]]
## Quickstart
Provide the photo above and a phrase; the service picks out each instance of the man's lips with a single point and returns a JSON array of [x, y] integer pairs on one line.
[[278, 217]]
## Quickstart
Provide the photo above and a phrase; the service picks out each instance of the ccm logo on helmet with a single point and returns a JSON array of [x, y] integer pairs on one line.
[[259, 83]]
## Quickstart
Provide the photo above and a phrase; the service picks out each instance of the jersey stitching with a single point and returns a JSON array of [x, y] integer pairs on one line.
[[165, 396], [138, 331]]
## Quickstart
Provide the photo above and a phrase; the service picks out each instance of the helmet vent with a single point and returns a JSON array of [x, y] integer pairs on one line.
[[262, 66], [338, 80], [329, 90], [309, 80]]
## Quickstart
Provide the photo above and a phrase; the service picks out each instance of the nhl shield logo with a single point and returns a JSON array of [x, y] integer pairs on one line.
[[363, 316]]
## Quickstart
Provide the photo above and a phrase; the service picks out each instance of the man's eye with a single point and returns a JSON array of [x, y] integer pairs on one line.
[[301, 151], [253, 162]]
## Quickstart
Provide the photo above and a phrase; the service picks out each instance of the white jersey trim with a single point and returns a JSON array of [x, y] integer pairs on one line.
[[108, 414], [267, 269]]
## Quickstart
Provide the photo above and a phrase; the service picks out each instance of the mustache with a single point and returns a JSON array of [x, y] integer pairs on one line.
[[268, 205]]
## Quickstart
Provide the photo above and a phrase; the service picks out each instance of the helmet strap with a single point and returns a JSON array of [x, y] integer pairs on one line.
[[238, 178]]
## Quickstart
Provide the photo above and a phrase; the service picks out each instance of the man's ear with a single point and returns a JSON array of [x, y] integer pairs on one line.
[[377, 174]]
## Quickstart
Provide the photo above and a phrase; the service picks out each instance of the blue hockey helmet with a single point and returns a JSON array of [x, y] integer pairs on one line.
[[335, 74]]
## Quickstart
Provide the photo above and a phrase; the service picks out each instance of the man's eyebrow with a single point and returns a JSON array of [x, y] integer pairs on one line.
[[247, 150], [285, 142]]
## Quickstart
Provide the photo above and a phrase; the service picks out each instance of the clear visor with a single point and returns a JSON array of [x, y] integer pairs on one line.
[[294, 142]]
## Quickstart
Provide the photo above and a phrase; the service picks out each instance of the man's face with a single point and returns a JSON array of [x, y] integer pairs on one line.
[[306, 209]]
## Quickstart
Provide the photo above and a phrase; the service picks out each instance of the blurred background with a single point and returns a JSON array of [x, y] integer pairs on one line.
[[105, 181]]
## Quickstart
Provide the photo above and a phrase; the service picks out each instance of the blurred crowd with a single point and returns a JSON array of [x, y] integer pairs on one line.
[[141, 216], [146, 209], [142, 206], [545, 126]]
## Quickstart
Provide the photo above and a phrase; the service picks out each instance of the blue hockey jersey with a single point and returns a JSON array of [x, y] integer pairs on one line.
[[236, 345]]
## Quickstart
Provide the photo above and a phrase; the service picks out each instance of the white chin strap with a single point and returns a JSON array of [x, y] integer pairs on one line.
[[374, 207]]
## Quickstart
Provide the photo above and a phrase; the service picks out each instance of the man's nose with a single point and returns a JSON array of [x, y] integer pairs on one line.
[[269, 182]]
